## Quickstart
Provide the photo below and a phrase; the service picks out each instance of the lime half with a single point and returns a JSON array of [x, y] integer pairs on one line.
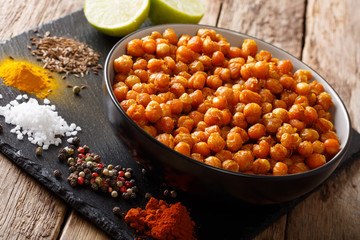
[[116, 17], [176, 11]]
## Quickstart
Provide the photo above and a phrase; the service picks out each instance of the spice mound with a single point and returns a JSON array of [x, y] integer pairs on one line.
[[40, 123], [64, 55], [162, 221], [27, 77]]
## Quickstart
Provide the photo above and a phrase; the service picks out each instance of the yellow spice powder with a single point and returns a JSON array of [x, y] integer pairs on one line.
[[27, 77]]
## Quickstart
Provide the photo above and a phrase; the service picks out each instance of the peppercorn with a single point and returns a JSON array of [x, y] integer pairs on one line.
[[125, 196], [98, 170], [70, 151], [103, 189], [86, 149], [57, 173], [114, 194], [117, 211], [82, 174], [119, 183], [80, 180], [143, 171], [63, 151], [62, 156], [118, 167], [86, 182], [129, 191], [166, 192], [97, 158], [72, 146], [71, 160], [127, 175], [129, 170], [94, 186], [133, 195], [98, 180], [135, 189], [38, 150], [132, 182], [148, 196], [173, 194], [106, 172], [72, 168], [76, 90], [89, 159], [76, 141]]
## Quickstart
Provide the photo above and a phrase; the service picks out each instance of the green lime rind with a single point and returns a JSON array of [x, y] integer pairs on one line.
[[162, 13], [123, 30]]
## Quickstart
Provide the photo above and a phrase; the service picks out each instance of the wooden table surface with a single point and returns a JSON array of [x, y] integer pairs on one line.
[[325, 34]]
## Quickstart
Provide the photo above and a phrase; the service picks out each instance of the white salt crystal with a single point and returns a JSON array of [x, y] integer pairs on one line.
[[78, 128], [68, 134], [1, 96], [46, 101], [72, 126], [74, 133], [20, 136], [70, 140], [25, 96], [19, 97], [39, 122]]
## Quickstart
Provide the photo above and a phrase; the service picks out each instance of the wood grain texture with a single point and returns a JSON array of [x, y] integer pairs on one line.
[[276, 22], [27, 210], [77, 227], [332, 48]]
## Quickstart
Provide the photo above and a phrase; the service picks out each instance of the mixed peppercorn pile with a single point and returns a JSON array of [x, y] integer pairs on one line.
[[231, 107]]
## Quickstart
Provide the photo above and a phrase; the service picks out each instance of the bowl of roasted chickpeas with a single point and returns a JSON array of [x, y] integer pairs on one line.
[[218, 113]]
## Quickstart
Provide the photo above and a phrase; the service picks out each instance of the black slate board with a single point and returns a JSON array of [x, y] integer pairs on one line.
[[214, 218]]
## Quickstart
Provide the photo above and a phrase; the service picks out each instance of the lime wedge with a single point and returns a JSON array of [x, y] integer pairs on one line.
[[116, 17], [176, 11]]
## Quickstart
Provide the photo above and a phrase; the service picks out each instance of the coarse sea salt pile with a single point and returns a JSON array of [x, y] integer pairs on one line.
[[41, 124]]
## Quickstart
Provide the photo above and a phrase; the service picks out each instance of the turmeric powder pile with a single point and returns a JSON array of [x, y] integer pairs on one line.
[[27, 77]]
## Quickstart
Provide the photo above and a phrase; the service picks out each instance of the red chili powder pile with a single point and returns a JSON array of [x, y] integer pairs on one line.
[[162, 221]]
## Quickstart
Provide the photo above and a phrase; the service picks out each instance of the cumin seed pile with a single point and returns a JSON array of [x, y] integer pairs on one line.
[[64, 55]]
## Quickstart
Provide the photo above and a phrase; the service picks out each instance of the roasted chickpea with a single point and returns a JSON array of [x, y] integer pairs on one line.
[[244, 159]]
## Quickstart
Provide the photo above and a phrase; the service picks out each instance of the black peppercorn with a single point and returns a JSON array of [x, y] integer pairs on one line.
[[133, 195], [104, 189], [62, 156], [97, 158], [118, 167], [117, 211], [73, 147], [72, 168], [166, 192], [125, 196], [133, 182], [98, 170], [76, 141], [173, 194], [94, 186], [87, 181], [63, 151], [135, 189], [147, 196], [57, 173], [130, 170], [87, 171]]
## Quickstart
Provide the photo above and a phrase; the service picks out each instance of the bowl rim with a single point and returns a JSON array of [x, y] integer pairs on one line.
[[311, 172]]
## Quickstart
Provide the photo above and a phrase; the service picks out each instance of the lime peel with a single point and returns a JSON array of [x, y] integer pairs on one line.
[[116, 17], [176, 11]]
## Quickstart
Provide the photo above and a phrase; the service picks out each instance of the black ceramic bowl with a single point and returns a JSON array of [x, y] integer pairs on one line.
[[198, 178]]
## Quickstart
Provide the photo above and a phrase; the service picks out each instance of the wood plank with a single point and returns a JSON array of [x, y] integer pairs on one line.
[[276, 22], [28, 210], [212, 11], [77, 227], [332, 48]]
